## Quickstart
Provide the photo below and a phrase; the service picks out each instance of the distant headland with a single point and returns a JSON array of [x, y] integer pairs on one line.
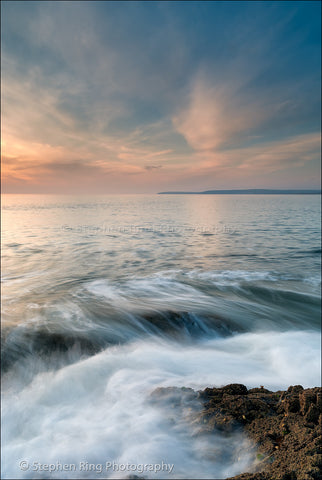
[[251, 191]]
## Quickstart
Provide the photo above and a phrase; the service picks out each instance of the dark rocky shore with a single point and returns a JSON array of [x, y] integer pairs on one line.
[[283, 426]]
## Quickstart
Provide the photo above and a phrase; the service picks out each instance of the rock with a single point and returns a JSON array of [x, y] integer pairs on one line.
[[312, 415], [292, 404], [319, 401], [306, 398], [295, 389], [259, 390], [235, 389], [286, 426]]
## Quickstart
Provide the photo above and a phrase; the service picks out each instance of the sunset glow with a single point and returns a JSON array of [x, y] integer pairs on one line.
[[139, 97]]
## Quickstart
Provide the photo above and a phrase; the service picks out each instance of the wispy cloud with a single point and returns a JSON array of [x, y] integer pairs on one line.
[[229, 128], [267, 163], [214, 93], [215, 115]]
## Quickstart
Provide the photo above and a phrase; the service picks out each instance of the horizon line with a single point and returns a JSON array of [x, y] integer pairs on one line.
[[251, 191]]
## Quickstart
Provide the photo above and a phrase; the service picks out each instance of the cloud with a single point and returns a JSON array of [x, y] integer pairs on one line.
[[152, 167], [85, 97], [266, 156], [220, 115], [262, 164], [213, 116]]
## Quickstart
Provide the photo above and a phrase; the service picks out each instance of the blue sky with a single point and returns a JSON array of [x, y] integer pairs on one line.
[[139, 97]]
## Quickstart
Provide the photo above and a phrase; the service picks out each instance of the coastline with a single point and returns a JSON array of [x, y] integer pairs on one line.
[[251, 191]]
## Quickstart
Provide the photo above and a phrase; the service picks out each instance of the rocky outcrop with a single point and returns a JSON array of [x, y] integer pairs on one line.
[[284, 426]]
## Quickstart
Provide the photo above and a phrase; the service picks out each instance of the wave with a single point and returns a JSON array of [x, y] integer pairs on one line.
[[69, 343], [99, 409], [311, 251], [244, 300], [179, 306], [80, 368]]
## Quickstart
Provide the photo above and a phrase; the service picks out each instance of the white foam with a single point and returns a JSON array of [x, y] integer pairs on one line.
[[150, 292], [98, 409], [233, 277]]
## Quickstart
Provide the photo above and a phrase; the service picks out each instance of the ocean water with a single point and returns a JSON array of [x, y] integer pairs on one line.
[[107, 298]]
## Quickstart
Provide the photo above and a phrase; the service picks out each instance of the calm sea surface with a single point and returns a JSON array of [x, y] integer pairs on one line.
[[106, 298]]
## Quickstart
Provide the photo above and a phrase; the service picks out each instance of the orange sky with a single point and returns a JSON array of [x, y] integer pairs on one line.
[[94, 103]]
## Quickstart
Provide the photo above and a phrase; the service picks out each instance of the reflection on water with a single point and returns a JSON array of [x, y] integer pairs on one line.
[[107, 298]]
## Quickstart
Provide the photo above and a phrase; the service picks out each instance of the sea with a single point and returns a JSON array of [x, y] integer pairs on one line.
[[105, 299]]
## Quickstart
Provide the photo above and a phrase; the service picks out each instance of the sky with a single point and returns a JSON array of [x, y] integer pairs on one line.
[[141, 97]]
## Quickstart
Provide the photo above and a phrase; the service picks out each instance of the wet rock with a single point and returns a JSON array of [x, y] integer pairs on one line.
[[306, 398], [295, 389], [292, 403], [235, 389], [319, 400], [285, 425], [312, 415], [259, 390]]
